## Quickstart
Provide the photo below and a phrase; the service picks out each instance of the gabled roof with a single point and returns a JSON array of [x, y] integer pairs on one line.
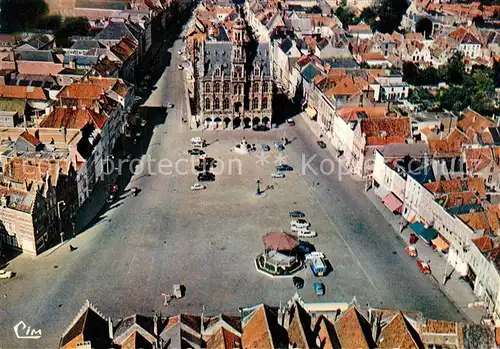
[[399, 333], [223, 339], [28, 137], [353, 330], [85, 45], [450, 146], [483, 243], [116, 30], [299, 330], [257, 331], [125, 48], [73, 118], [475, 121], [326, 334], [91, 325], [355, 113], [477, 159]]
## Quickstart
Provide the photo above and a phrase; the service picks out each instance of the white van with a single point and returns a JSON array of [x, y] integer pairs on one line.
[[303, 232], [197, 142]]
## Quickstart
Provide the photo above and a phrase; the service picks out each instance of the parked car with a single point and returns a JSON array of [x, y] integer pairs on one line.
[[195, 152], [5, 274], [306, 233], [423, 266], [261, 128], [321, 144], [180, 67], [206, 177], [314, 254], [198, 186], [290, 122], [265, 147], [283, 168], [411, 250], [305, 247], [298, 282], [319, 288], [296, 214], [137, 98], [179, 52], [202, 167], [277, 145], [300, 223], [170, 105], [277, 175]]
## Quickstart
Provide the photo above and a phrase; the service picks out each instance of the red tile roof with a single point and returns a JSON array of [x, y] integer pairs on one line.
[[353, 330], [223, 339], [477, 159], [28, 137], [73, 118], [380, 131], [450, 146], [23, 92], [474, 121], [399, 333], [256, 332], [483, 243], [351, 113]]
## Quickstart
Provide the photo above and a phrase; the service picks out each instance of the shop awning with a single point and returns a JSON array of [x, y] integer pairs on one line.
[[311, 112], [441, 244], [392, 203], [427, 234]]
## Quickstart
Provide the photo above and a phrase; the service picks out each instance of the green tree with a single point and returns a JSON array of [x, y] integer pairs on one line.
[[428, 76], [50, 22], [389, 13], [410, 72], [455, 69], [424, 26], [369, 16], [344, 14], [421, 95], [17, 15], [72, 26]]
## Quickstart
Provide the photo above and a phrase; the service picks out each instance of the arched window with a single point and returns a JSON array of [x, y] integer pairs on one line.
[[207, 103], [226, 87], [255, 87], [264, 87], [225, 104], [264, 103], [235, 89], [217, 87], [217, 72], [255, 104], [216, 104], [207, 87], [239, 89], [257, 71]]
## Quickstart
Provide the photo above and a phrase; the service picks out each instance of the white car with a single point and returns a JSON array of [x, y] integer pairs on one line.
[[137, 98], [277, 175], [180, 67], [299, 223], [5, 274], [306, 233], [170, 105], [314, 254], [197, 186], [179, 52]]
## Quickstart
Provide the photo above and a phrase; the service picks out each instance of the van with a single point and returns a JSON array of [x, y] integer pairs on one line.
[[318, 267], [197, 142]]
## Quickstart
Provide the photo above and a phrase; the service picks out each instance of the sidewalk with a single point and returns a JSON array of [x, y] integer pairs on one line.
[[458, 291]]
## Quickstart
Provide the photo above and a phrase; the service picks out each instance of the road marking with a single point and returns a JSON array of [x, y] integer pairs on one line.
[[337, 231]]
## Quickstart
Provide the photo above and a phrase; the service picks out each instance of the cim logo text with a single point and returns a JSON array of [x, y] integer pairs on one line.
[[24, 331]]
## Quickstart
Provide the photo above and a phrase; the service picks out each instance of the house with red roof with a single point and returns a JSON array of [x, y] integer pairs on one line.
[[484, 162]]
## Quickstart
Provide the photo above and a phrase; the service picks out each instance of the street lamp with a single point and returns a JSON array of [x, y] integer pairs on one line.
[[59, 203]]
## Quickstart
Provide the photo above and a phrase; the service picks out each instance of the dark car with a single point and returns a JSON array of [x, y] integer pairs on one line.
[[196, 152], [202, 167], [298, 282], [321, 144], [261, 128], [206, 177], [297, 214], [305, 247], [283, 168], [265, 147]]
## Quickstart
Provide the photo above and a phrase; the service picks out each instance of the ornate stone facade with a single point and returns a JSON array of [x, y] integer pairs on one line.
[[236, 91]]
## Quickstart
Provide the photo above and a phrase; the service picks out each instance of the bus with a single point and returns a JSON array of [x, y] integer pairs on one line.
[[197, 142], [318, 267]]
